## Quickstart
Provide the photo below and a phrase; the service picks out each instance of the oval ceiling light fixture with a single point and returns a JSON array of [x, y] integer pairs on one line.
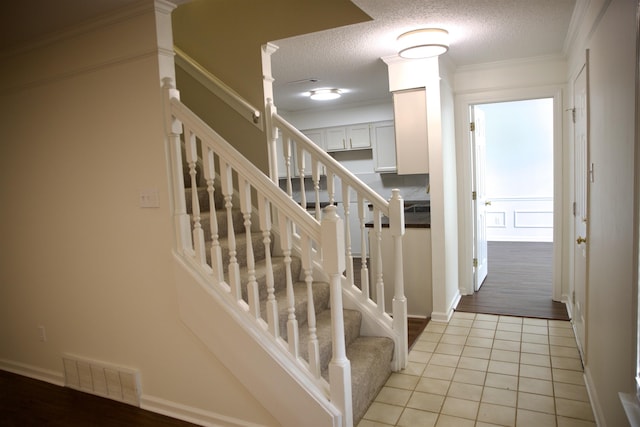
[[423, 43], [325, 94]]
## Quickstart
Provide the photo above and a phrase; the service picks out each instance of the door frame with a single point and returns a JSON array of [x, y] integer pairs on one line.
[[465, 174]]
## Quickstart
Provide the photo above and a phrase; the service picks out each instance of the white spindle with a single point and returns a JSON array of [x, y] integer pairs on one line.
[[333, 262], [301, 166], [286, 233], [331, 187], [216, 252], [396, 228], [198, 234], [314, 346], [252, 285], [377, 241], [315, 176], [226, 182], [286, 148], [364, 271], [264, 208], [346, 201]]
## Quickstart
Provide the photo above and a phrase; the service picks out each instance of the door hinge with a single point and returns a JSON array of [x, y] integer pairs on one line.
[[473, 195], [475, 262], [472, 127]]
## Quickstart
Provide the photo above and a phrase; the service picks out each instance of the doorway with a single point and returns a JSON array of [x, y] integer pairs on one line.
[[521, 209]]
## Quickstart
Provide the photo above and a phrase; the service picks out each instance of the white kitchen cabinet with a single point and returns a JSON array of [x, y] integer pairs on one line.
[[353, 137], [383, 142], [412, 144]]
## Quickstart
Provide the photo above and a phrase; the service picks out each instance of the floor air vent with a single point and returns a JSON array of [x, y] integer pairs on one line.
[[113, 382]]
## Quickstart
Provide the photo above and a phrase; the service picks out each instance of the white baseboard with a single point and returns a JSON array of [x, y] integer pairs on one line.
[[441, 317], [593, 398], [191, 414], [31, 371]]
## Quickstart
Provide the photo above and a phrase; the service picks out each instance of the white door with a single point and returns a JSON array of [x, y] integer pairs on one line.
[[480, 200], [581, 161]]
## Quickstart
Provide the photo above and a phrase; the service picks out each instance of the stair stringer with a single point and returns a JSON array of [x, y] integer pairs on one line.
[[259, 362]]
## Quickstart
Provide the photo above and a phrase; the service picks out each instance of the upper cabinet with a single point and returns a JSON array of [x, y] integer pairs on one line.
[[352, 137], [412, 139], [383, 142]]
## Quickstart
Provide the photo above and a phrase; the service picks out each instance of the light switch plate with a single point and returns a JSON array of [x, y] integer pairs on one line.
[[149, 198]]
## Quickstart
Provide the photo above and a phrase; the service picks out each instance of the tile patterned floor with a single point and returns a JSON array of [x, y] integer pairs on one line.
[[483, 370]]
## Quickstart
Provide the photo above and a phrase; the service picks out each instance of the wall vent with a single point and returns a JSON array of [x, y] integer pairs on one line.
[[113, 382]]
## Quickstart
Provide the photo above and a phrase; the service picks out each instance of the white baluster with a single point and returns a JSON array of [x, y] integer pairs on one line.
[[226, 182], [331, 187], [364, 271], [301, 166], [314, 346], [346, 200], [286, 148], [216, 251], [286, 232], [264, 208], [315, 176], [396, 228], [198, 234], [333, 262], [252, 285], [377, 241]]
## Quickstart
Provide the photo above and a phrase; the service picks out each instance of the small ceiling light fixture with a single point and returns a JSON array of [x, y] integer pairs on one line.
[[423, 43], [325, 94]]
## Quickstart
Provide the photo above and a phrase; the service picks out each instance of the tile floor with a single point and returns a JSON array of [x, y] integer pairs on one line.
[[482, 370]]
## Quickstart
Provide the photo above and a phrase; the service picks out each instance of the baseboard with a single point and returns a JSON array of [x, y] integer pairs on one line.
[[191, 414], [441, 317], [593, 398], [34, 372]]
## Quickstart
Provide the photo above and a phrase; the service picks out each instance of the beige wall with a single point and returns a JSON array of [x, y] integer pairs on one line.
[[82, 132], [610, 347]]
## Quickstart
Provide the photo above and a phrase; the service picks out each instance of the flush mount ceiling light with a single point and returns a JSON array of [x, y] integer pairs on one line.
[[423, 43], [325, 94]]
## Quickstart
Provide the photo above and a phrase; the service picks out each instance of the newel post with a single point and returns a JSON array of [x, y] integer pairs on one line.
[[396, 226], [334, 264], [173, 129], [272, 137]]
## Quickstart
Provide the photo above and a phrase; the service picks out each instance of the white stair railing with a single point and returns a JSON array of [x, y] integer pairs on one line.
[[241, 180], [291, 148]]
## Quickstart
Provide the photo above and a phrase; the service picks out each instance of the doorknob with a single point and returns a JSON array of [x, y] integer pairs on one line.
[[581, 239], [487, 203]]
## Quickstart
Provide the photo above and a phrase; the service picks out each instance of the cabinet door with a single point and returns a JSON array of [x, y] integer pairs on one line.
[[359, 136], [412, 150], [336, 138], [384, 146]]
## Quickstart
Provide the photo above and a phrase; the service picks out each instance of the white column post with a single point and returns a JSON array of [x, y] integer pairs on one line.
[[333, 261], [396, 226]]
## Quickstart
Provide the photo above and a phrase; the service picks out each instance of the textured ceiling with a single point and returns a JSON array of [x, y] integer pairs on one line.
[[481, 31]]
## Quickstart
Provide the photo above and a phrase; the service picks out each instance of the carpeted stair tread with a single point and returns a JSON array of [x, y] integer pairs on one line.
[[241, 249], [320, 301], [279, 275], [203, 199], [352, 323], [221, 215], [370, 368]]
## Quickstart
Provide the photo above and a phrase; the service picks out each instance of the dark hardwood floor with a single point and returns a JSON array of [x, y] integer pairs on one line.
[[518, 283], [25, 402]]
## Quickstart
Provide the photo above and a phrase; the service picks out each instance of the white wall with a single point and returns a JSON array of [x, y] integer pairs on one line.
[[83, 132], [610, 318]]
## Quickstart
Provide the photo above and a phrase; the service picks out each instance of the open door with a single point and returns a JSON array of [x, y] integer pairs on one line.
[[581, 183], [480, 202]]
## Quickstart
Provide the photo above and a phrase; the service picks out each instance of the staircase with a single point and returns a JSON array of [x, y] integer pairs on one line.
[[271, 289], [370, 357]]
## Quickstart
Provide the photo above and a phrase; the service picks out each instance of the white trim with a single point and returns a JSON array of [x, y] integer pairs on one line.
[[593, 399], [30, 371], [441, 317], [191, 414]]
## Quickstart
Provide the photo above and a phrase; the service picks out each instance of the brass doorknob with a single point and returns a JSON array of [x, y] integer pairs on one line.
[[487, 203], [581, 239]]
